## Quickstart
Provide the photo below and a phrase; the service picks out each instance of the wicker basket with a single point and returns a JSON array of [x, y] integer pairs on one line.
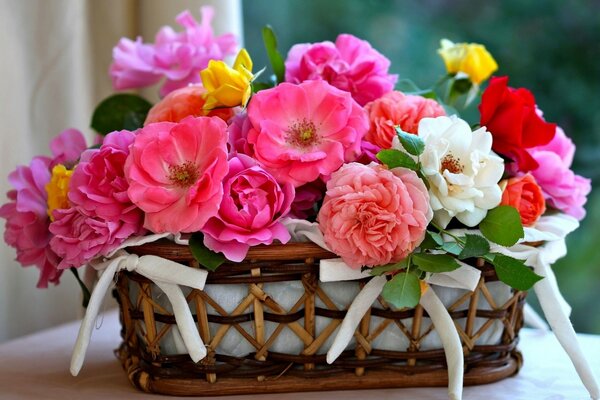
[[259, 320]]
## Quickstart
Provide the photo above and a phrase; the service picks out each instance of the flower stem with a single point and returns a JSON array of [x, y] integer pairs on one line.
[[85, 291]]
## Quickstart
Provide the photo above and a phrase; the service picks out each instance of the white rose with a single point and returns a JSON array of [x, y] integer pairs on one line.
[[461, 168]]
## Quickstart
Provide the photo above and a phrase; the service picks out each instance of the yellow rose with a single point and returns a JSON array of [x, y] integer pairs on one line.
[[57, 189], [470, 58], [226, 86]]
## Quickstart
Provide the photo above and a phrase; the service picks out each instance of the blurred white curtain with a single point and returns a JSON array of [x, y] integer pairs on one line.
[[55, 56]]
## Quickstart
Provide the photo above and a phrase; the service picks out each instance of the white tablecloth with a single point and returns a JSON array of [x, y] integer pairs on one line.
[[37, 367]]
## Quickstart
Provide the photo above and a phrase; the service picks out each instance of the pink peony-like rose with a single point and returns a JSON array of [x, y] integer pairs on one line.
[[397, 108], [351, 64], [98, 186], [79, 238], [374, 216], [183, 102], [562, 188], [175, 172], [302, 132], [238, 129], [177, 56], [253, 203], [306, 198]]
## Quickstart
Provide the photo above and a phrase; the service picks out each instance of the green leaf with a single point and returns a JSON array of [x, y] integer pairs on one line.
[[206, 257], [502, 225], [435, 262], [412, 143], [120, 111], [475, 246], [403, 290], [452, 248], [270, 41], [258, 86], [433, 240], [514, 272], [395, 158], [389, 267]]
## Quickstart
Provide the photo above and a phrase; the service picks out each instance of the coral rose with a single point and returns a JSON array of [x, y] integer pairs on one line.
[[175, 170], [351, 64], [184, 102], [510, 116], [250, 212], [396, 108], [373, 216], [524, 194], [302, 132]]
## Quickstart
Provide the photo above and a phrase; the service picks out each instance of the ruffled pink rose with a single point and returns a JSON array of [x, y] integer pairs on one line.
[[79, 238], [250, 212], [177, 56], [98, 185], [238, 129], [67, 147], [351, 64], [562, 188], [374, 216], [396, 108], [175, 173], [302, 132]]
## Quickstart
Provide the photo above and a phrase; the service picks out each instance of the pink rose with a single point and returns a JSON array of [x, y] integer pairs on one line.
[[374, 216], [175, 172], [562, 188], [302, 132], [351, 64], [253, 203], [396, 108], [177, 56], [67, 147], [306, 199], [79, 238], [238, 129]]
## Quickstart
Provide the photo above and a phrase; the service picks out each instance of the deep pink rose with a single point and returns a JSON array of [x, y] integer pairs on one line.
[[306, 198], [79, 238], [369, 153], [177, 56], [98, 185], [351, 64], [67, 148], [374, 216], [302, 132], [250, 212], [562, 188], [396, 108], [238, 129], [175, 172]]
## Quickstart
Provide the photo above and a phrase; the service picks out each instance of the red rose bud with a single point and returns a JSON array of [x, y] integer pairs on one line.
[[510, 115], [524, 194]]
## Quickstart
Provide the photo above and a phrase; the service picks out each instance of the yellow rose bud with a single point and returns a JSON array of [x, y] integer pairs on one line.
[[57, 189], [471, 59], [226, 86]]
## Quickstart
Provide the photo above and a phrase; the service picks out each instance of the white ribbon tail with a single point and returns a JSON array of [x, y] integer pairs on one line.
[[533, 319], [160, 269], [445, 328], [357, 310], [185, 321], [87, 325], [563, 330]]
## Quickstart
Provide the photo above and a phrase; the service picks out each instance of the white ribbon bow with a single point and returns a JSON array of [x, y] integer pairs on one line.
[[166, 274]]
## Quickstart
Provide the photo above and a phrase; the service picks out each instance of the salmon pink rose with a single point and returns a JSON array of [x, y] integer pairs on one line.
[[374, 216], [175, 172], [397, 108], [183, 102], [250, 212], [524, 194], [302, 132]]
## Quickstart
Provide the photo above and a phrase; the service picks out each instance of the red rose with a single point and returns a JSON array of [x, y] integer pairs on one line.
[[524, 194], [510, 115]]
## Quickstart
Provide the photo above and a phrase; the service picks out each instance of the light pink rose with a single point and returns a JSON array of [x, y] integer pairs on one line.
[[374, 216], [79, 238], [302, 132], [396, 108], [351, 64], [250, 212], [562, 188], [175, 172]]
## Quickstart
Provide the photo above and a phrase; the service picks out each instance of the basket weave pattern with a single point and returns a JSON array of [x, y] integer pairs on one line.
[[146, 322]]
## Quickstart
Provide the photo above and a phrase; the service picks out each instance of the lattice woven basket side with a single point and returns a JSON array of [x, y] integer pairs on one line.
[[259, 319]]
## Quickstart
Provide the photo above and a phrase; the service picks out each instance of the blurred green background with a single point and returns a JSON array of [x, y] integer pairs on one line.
[[551, 47]]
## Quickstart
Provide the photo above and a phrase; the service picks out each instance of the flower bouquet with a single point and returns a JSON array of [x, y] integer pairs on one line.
[[315, 222]]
